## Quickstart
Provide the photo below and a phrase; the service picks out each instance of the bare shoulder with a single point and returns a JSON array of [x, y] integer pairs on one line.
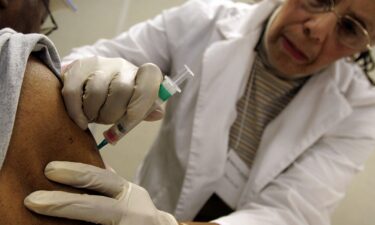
[[41, 113], [42, 132]]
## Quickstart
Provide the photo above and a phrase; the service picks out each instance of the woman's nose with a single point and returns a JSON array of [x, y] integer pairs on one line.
[[321, 26]]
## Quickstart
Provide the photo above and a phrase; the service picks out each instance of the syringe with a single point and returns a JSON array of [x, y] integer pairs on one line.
[[167, 89]]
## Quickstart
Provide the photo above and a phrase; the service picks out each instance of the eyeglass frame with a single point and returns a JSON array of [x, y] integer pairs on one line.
[[55, 26], [331, 8]]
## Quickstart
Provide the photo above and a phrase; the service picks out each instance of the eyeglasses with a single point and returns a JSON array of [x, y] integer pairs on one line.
[[350, 31], [48, 30]]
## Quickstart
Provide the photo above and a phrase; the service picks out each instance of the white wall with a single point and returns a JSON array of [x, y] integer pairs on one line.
[[106, 18]]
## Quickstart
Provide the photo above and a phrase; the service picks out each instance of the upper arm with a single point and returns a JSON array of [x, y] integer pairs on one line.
[[42, 132]]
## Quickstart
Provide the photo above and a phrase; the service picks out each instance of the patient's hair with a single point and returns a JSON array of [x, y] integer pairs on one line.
[[43, 132]]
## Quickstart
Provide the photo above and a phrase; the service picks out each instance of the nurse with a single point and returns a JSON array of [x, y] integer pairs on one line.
[[279, 117]]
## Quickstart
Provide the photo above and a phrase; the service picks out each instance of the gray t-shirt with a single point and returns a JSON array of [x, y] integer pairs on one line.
[[15, 49]]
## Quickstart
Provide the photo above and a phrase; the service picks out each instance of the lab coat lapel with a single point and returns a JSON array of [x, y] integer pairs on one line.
[[225, 69], [223, 73], [317, 108]]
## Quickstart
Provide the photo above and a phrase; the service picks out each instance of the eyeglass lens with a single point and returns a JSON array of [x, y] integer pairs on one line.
[[350, 32]]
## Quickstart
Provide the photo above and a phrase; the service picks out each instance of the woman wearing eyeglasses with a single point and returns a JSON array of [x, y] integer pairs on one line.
[[279, 117]]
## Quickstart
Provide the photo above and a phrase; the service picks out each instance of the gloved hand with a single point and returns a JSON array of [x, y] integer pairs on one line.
[[103, 90], [126, 204]]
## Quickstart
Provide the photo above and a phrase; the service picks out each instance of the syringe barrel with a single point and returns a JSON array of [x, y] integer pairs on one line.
[[115, 133], [122, 127], [167, 89]]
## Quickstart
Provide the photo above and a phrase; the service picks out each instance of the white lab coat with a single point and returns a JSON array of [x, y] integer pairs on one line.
[[307, 155]]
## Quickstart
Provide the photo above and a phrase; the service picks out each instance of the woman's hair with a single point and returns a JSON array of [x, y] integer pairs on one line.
[[366, 62]]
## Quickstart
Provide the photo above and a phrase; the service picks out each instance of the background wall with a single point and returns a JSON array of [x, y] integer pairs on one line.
[[106, 18]]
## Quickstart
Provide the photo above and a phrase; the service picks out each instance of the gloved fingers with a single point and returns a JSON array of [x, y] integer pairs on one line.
[[81, 175], [89, 93], [146, 90], [72, 92], [120, 92], [157, 114], [90, 208], [95, 93]]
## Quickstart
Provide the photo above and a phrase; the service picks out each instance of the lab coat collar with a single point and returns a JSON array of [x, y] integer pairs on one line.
[[238, 26]]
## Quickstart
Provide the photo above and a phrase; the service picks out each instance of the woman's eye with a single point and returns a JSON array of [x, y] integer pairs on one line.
[[322, 4], [348, 27]]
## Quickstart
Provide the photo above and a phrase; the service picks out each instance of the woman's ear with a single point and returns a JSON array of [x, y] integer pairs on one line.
[[4, 3]]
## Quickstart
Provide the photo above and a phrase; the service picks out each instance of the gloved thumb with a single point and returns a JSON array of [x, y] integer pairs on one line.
[[145, 93]]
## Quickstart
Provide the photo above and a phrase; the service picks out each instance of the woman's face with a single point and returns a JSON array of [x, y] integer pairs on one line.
[[299, 42]]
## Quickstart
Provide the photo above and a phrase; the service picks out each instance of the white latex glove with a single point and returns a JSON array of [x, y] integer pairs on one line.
[[126, 204], [103, 90]]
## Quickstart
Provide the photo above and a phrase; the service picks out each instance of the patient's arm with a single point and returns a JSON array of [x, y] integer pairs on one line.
[[43, 132]]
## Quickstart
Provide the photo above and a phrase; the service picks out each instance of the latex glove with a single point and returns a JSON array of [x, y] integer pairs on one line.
[[103, 90], [126, 204]]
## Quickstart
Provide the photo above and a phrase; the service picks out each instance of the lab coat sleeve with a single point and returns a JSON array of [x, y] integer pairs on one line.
[[155, 40], [144, 42], [308, 191]]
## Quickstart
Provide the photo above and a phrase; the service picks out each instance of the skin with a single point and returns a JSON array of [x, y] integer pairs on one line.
[[313, 34], [41, 134]]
